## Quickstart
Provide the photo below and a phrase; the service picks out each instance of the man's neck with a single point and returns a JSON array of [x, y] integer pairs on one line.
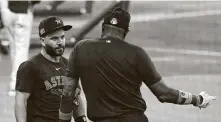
[[111, 35], [113, 32], [50, 58]]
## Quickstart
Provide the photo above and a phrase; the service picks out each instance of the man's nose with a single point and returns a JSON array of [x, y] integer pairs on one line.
[[59, 40]]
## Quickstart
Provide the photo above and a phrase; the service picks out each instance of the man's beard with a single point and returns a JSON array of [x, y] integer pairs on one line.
[[58, 51]]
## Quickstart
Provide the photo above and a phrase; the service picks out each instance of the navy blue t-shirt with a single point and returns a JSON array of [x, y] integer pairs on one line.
[[111, 73], [43, 79]]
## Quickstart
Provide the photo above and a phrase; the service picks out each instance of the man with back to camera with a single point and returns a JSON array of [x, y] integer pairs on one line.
[[40, 79], [112, 71]]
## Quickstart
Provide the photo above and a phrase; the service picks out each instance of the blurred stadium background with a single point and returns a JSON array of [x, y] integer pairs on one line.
[[182, 38]]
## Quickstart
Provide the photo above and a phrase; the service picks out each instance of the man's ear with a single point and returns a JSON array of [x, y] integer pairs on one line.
[[102, 27], [42, 41], [125, 33]]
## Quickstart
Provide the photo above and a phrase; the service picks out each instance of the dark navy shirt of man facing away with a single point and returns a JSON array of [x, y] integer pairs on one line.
[[111, 73]]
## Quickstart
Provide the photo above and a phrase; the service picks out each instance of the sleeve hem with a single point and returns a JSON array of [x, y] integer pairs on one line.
[[23, 90], [154, 81]]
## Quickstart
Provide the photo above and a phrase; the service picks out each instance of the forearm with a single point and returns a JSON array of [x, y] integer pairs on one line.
[[180, 97], [65, 111], [66, 103], [79, 114], [20, 112], [79, 110], [170, 95]]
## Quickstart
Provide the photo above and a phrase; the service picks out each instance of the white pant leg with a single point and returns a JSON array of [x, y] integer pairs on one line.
[[8, 19], [21, 42], [19, 28], [3, 3]]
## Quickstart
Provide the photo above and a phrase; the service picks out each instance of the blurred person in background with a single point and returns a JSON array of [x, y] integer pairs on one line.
[[17, 18], [40, 79], [53, 5], [4, 43]]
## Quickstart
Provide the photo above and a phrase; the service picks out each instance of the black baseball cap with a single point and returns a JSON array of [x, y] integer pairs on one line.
[[118, 17], [51, 24]]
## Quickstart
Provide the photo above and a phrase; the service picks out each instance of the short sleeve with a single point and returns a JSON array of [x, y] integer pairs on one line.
[[25, 77], [146, 69], [72, 67]]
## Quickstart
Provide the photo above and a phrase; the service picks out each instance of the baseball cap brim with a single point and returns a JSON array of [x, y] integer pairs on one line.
[[65, 28]]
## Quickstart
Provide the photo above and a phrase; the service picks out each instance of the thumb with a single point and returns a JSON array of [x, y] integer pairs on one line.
[[213, 97]]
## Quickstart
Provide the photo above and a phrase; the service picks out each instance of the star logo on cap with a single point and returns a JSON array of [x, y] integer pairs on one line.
[[42, 31], [58, 21], [114, 21]]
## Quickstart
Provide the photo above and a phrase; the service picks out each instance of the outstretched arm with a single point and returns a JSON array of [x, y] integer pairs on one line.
[[154, 81], [170, 95]]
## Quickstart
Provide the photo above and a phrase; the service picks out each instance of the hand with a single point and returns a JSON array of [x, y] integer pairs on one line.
[[77, 92], [76, 98], [206, 100]]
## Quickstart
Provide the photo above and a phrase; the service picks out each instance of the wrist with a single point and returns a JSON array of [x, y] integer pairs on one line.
[[184, 98], [194, 100], [197, 100], [65, 116]]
